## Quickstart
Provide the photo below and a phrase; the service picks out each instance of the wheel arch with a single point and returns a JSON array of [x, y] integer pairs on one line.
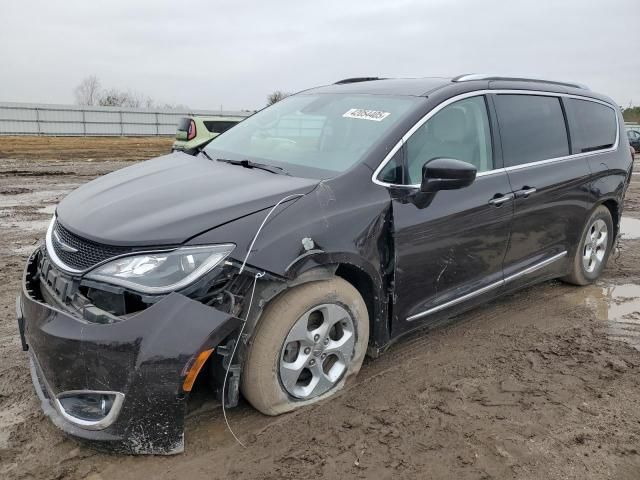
[[356, 271], [365, 278], [362, 282], [614, 208]]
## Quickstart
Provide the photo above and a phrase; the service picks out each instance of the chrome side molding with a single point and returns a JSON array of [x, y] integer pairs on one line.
[[489, 287], [436, 109], [536, 267]]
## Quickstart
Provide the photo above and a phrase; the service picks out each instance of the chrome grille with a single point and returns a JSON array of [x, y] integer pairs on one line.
[[87, 253]]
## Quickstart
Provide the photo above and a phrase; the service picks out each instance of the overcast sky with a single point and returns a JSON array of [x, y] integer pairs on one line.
[[211, 53]]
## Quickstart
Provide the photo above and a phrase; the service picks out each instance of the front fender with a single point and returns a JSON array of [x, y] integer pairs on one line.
[[343, 224]]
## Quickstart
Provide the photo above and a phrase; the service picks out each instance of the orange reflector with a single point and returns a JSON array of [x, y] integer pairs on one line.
[[190, 379]]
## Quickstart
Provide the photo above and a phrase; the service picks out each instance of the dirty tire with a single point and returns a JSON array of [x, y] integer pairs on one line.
[[579, 275], [261, 384]]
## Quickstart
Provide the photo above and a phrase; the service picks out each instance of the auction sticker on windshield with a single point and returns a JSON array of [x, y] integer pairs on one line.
[[361, 113]]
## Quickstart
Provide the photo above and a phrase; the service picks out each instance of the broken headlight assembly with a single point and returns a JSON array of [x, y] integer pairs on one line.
[[161, 272]]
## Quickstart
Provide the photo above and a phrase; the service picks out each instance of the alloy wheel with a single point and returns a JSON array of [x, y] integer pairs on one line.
[[317, 351], [595, 246]]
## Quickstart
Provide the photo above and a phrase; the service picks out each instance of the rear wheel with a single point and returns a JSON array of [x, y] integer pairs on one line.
[[594, 249], [310, 341]]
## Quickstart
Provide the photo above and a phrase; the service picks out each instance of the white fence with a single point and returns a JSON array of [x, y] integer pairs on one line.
[[43, 119]]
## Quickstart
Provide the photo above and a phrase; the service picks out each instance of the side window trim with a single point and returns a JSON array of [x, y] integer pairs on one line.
[[474, 111], [486, 93], [565, 115], [574, 125], [498, 160]]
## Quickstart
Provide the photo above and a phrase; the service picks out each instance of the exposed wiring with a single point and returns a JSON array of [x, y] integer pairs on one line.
[[233, 352], [246, 317], [255, 237]]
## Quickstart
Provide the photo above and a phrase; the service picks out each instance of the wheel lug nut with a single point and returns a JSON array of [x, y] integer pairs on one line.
[[312, 362], [323, 356], [316, 337], [326, 341], [307, 351]]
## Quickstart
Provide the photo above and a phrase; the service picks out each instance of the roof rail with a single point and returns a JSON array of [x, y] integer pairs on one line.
[[356, 80], [482, 76]]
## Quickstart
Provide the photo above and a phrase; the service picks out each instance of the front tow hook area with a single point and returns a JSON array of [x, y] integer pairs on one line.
[[120, 387]]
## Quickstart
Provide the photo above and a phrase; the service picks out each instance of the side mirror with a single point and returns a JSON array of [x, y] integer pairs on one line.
[[446, 174]]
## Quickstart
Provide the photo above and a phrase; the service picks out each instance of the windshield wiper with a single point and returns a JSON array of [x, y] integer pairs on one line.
[[250, 164], [206, 154]]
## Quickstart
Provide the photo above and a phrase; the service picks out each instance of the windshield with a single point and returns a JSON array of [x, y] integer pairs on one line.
[[314, 135]]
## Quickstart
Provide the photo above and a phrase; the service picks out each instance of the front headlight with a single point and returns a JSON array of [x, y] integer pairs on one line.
[[162, 272]]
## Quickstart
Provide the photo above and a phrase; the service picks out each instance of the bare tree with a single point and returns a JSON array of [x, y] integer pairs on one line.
[[88, 92], [133, 99], [119, 98], [112, 98], [276, 96]]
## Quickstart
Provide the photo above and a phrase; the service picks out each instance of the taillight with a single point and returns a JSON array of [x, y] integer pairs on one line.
[[191, 133]]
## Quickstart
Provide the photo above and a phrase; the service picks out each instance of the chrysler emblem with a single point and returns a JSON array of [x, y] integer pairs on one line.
[[64, 246]]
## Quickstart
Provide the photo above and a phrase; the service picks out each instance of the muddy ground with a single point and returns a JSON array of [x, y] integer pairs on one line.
[[35, 149], [541, 384]]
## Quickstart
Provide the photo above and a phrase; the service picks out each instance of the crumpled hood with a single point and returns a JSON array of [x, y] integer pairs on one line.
[[170, 199]]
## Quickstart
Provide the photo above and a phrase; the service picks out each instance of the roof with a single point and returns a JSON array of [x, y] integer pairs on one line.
[[425, 86], [386, 86]]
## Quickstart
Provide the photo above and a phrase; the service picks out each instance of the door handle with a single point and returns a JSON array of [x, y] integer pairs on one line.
[[525, 192], [499, 199]]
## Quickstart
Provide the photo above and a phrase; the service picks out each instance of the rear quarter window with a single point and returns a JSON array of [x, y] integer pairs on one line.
[[532, 128], [215, 126], [593, 125]]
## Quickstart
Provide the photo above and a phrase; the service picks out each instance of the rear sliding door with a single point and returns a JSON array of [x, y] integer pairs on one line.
[[549, 183]]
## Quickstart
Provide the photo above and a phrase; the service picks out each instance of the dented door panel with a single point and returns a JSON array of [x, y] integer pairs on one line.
[[450, 248]]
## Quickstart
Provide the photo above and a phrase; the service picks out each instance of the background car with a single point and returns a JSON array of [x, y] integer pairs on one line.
[[195, 132], [634, 139]]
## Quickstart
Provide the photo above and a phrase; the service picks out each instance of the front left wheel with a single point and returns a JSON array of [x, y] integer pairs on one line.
[[309, 342]]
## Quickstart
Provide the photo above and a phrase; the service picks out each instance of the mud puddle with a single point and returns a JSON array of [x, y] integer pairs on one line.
[[630, 228], [616, 305], [28, 210], [27, 197]]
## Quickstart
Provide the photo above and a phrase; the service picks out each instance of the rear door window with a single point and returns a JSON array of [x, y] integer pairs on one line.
[[593, 125], [532, 128]]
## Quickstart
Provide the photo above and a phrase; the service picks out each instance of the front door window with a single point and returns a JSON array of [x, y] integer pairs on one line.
[[460, 131]]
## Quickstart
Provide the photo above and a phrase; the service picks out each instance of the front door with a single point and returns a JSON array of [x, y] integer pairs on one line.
[[449, 246]]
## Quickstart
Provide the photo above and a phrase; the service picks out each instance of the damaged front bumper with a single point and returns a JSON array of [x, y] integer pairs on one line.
[[130, 372]]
